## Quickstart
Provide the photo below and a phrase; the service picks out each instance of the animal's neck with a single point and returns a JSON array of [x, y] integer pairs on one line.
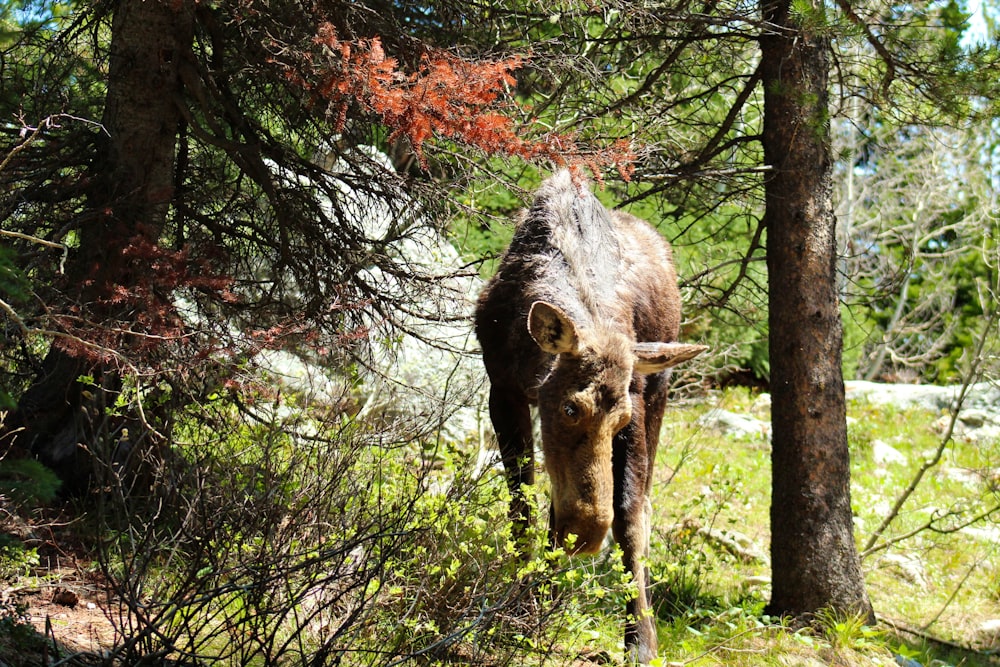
[[579, 247], [590, 271]]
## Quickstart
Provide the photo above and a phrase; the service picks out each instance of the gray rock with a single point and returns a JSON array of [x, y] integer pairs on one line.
[[988, 634], [732, 424], [422, 373], [973, 426], [979, 420], [975, 418], [758, 581], [966, 476], [984, 395], [908, 567], [986, 533], [885, 454], [761, 406]]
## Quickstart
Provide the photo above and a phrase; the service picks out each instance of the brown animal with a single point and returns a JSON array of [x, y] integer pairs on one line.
[[581, 320]]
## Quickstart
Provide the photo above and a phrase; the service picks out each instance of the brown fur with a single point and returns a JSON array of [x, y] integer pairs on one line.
[[582, 319]]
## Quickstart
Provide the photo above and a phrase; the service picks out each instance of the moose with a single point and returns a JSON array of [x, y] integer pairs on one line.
[[581, 319]]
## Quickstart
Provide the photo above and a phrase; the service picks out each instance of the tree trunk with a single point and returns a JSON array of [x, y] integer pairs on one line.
[[813, 556], [132, 185]]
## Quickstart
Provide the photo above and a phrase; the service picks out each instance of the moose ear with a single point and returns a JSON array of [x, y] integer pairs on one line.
[[552, 329], [655, 357]]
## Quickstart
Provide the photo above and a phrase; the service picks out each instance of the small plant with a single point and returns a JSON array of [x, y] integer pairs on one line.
[[16, 560], [27, 482], [848, 631]]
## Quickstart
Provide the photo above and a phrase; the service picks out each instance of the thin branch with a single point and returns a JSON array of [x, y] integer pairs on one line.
[[747, 258], [651, 78], [951, 598], [32, 134], [709, 149], [931, 525], [928, 464], [14, 316], [899, 626], [874, 41], [34, 239], [722, 646]]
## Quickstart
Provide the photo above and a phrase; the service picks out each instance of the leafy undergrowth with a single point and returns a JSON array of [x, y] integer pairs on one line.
[[402, 554]]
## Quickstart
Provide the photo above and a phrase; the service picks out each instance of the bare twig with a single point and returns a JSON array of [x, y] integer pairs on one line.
[[33, 239], [951, 598], [928, 464], [932, 525], [899, 626]]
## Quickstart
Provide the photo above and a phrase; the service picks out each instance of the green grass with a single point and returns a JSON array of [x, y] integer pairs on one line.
[[712, 484]]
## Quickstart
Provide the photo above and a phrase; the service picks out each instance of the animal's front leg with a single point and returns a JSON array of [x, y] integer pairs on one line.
[[511, 419], [640, 627], [631, 530]]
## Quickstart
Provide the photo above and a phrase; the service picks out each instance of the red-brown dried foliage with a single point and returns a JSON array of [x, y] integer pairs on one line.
[[135, 321], [137, 312], [447, 97]]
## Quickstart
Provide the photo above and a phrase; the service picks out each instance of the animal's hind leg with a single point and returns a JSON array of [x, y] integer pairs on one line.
[[511, 419], [655, 398]]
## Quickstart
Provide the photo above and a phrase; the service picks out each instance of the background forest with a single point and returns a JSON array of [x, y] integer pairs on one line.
[[242, 409]]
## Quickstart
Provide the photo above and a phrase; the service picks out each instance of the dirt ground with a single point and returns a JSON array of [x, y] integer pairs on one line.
[[64, 599], [79, 627]]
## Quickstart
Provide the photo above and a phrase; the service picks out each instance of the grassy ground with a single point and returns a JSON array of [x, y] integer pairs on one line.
[[711, 527], [933, 587]]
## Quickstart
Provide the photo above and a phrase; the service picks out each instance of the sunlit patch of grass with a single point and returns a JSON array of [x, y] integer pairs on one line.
[[708, 483], [741, 636], [932, 571]]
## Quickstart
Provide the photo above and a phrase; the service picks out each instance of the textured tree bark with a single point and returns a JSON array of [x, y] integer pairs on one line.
[[132, 185], [814, 559]]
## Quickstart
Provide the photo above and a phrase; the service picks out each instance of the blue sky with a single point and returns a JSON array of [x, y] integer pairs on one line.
[[977, 32]]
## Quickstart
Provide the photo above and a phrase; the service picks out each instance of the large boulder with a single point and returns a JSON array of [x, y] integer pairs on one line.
[[977, 421], [736, 425], [984, 395], [416, 368]]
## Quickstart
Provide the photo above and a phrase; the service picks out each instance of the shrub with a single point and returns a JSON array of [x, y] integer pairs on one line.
[[286, 539], [27, 482]]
